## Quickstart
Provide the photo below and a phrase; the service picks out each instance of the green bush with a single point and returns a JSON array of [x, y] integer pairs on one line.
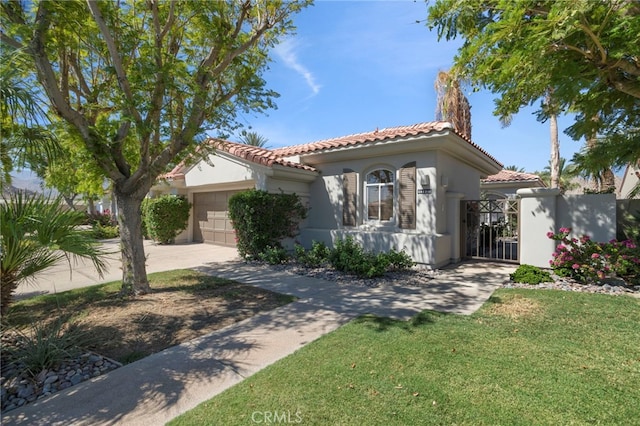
[[349, 256], [103, 232], [399, 260], [274, 255], [143, 217], [165, 217], [529, 274], [261, 220], [317, 256]]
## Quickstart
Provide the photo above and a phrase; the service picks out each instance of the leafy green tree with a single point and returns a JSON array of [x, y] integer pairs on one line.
[[141, 82], [253, 139], [582, 54], [36, 234]]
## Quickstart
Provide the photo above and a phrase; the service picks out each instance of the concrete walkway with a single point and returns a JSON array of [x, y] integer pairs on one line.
[[158, 388]]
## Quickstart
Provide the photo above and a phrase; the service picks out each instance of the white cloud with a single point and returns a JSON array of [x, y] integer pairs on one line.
[[287, 52]]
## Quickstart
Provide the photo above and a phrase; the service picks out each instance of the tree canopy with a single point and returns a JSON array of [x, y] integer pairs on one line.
[[139, 83], [584, 54]]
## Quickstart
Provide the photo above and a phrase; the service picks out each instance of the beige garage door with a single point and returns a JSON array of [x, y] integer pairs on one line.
[[211, 223]]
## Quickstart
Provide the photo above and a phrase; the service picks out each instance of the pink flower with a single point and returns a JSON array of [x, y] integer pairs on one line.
[[565, 230], [595, 256], [550, 234], [575, 266]]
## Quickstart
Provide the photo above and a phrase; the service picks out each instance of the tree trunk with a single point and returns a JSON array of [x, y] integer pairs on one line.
[[91, 207], [134, 271], [608, 180], [555, 152]]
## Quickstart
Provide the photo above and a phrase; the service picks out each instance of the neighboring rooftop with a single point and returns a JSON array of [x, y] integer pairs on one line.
[[510, 176]]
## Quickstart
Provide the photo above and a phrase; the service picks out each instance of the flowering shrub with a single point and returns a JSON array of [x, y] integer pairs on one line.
[[588, 261]]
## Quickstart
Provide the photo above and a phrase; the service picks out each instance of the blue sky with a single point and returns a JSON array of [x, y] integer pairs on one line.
[[357, 65]]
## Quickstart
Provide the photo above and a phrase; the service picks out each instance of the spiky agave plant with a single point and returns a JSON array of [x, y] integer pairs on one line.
[[36, 233]]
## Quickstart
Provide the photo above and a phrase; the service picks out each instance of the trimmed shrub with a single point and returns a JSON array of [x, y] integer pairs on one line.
[[165, 217], [529, 274], [261, 220]]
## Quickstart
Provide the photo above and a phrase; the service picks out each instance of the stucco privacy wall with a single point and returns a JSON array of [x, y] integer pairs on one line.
[[545, 210]]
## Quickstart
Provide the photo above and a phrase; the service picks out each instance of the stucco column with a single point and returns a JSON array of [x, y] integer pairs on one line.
[[453, 224], [538, 215]]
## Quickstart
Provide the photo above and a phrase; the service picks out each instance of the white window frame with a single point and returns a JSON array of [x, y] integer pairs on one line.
[[367, 185]]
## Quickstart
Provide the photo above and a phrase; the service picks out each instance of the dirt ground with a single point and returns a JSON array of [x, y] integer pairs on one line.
[[183, 305]]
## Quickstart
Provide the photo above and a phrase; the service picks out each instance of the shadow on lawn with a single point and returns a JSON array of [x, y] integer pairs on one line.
[[384, 323]]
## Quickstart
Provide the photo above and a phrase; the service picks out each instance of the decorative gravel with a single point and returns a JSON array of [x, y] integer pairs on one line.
[[18, 388], [419, 276]]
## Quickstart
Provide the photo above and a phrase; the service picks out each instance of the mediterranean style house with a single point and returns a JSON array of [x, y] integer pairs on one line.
[[397, 187]]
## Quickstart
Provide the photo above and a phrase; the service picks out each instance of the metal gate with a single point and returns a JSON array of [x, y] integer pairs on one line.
[[490, 229]]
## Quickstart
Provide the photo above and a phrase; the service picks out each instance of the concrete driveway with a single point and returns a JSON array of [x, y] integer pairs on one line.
[[159, 258]]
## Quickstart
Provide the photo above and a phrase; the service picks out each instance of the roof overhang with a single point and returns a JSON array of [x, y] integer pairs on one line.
[[444, 141]]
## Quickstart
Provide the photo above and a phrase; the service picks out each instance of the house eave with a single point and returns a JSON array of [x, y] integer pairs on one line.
[[445, 140]]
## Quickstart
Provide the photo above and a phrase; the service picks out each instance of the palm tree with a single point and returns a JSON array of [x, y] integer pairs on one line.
[[451, 104], [36, 234], [25, 139], [514, 168], [566, 173], [253, 139]]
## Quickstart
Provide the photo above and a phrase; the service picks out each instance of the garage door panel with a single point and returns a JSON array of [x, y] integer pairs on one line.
[[211, 218]]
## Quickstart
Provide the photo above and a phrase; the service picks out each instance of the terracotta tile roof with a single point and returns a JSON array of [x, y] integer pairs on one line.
[[375, 136], [254, 154], [504, 176], [263, 156], [270, 157]]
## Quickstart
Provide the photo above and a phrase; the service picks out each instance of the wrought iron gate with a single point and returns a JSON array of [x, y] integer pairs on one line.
[[490, 229]]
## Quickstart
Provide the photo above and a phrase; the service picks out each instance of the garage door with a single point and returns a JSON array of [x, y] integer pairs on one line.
[[211, 223]]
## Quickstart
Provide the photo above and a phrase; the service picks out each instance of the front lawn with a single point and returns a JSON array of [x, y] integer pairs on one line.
[[527, 357]]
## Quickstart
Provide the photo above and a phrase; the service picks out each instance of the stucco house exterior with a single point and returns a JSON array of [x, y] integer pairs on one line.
[[397, 187]]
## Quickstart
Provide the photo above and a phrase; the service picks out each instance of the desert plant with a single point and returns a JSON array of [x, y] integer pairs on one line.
[[36, 234], [165, 217], [530, 274], [44, 345], [262, 220]]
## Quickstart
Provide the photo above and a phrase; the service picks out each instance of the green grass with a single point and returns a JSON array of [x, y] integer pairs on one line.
[[527, 357]]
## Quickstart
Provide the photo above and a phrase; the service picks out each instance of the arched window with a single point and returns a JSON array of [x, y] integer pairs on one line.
[[379, 194]]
